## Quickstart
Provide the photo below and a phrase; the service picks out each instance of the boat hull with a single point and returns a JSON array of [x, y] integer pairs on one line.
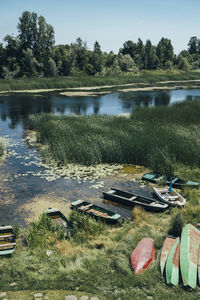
[[132, 199], [7, 240], [99, 213], [171, 198], [172, 264], [169, 242], [143, 255], [189, 252]]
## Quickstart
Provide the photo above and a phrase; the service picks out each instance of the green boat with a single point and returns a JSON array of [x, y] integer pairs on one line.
[[172, 264], [58, 219], [7, 240], [96, 211], [189, 251], [178, 183]]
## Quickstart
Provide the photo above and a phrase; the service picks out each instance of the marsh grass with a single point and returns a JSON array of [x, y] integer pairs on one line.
[[165, 139], [146, 77]]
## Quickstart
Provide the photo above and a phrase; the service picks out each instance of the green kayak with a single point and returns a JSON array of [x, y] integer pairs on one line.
[[189, 252], [172, 265]]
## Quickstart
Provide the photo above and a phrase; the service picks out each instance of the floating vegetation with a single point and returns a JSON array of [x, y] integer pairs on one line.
[[3, 148]]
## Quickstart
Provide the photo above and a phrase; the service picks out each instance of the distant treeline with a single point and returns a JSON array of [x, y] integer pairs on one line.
[[32, 53]]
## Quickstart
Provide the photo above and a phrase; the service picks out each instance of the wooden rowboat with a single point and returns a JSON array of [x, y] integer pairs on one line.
[[168, 243], [96, 211], [171, 198], [172, 264], [7, 240], [189, 251], [58, 219], [132, 199], [143, 255]]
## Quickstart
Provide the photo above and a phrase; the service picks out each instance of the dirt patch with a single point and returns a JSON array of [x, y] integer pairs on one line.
[[40, 203]]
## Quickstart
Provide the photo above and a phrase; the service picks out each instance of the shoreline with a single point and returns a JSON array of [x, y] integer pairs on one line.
[[86, 91]]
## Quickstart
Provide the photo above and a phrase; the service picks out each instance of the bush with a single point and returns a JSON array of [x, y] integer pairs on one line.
[[177, 224]]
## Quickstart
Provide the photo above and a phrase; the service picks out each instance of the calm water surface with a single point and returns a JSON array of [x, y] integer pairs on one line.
[[23, 185]]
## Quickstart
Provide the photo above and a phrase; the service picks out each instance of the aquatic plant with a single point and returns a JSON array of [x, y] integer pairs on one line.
[[160, 138]]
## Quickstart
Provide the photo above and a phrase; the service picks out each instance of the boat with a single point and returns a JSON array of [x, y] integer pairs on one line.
[[177, 182], [7, 240], [58, 218], [172, 198], [166, 248], [143, 255], [132, 199], [153, 177], [96, 211], [189, 251], [172, 264]]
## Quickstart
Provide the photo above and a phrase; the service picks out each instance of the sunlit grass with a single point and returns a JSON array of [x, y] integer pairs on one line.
[[165, 139], [146, 77]]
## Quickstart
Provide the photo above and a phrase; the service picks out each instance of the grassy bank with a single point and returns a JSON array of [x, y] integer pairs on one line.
[[161, 138], [96, 260], [147, 77]]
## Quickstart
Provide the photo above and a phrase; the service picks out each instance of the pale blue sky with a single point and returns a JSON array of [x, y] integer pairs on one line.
[[110, 22]]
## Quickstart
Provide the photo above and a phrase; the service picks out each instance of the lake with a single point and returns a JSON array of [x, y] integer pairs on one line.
[[24, 188]]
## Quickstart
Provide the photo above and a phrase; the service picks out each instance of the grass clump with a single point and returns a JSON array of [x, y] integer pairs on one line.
[[43, 233], [84, 227]]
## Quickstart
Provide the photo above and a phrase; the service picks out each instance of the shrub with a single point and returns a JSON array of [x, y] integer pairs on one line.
[[177, 224]]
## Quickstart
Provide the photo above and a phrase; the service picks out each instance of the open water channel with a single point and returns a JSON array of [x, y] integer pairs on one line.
[[26, 186]]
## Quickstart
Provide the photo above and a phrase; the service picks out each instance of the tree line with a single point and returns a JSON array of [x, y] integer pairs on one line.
[[33, 53]]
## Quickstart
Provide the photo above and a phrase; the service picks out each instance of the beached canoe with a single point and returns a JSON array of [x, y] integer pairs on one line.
[[172, 264], [96, 211], [132, 199], [189, 251], [7, 240], [177, 182], [143, 255], [166, 248], [171, 198], [58, 218]]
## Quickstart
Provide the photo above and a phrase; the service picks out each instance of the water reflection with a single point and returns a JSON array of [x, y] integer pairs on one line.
[[15, 109]]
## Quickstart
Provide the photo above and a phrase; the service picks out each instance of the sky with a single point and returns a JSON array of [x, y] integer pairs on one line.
[[110, 22]]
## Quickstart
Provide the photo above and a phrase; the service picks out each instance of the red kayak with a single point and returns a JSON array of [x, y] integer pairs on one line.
[[143, 255]]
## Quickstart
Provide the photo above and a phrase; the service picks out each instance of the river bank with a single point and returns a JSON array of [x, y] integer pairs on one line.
[[108, 84]]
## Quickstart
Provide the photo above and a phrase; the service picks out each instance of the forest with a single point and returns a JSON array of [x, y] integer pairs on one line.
[[33, 53]]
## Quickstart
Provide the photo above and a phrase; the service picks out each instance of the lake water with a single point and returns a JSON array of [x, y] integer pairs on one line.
[[23, 186]]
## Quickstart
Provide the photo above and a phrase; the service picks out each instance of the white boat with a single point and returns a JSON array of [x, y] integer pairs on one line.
[[171, 198]]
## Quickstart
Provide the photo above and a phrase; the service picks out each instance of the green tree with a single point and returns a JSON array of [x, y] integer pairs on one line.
[[126, 63], [193, 45], [97, 48], [29, 64], [130, 48], [151, 59], [36, 34], [164, 52]]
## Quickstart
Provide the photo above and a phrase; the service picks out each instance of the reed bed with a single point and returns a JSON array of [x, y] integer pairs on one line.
[[145, 77], [161, 138]]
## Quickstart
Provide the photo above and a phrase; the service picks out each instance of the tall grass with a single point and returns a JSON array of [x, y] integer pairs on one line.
[[73, 82], [160, 137], [1, 149]]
